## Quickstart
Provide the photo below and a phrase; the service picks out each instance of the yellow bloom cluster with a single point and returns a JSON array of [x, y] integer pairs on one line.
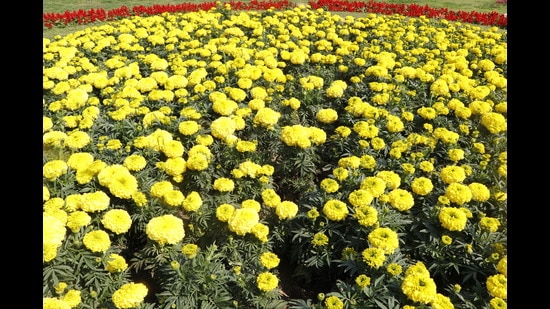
[[303, 137], [53, 235], [166, 229], [417, 285], [335, 210], [267, 281], [129, 295], [384, 238]]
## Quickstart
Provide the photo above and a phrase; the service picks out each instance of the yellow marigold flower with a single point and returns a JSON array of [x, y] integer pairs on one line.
[[296, 135], [250, 168], [139, 198], [343, 131], [394, 124], [94, 201], [253, 204], [427, 113], [188, 127], [480, 192], [333, 302], [45, 193], [175, 265], [446, 240], [269, 260], [489, 224], [286, 210], [192, 202], [352, 162], [400, 199], [190, 250], [117, 221], [452, 218], [376, 186], [317, 135], [419, 288], [385, 239], [329, 185], [54, 303], [446, 136], [313, 213], [441, 301], [243, 220], [224, 107], [72, 297], [224, 184], [118, 179], [367, 161], [394, 269], [502, 265], [270, 198], [77, 140], [47, 124], [172, 148], [267, 281], [224, 212], [78, 219], [80, 160], [53, 204], [166, 229], [326, 115], [456, 154], [335, 210], [292, 103], [72, 202], [498, 303], [392, 179], [135, 162], [340, 173], [222, 127], [113, 144], [374, 257], [54, 138], [497, 286], [365, 130], [360, 197], [97, 241], [362, 281], [236, 94], [260, 231], [54, 169], [422, 185], [366, 215], [173, 198], [266, 117], [458, 193], [246, 146], [53, 234], [129, 295], [115, 263], [258, 92], [426, 166], [319, 239], [158, 189], [452, 173], [408, 168]]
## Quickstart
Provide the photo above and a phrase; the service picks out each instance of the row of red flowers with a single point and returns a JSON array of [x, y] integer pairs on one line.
[[82, 17]]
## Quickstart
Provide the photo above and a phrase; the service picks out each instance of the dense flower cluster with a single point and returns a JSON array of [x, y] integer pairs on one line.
[[81, 17], [272, 159]]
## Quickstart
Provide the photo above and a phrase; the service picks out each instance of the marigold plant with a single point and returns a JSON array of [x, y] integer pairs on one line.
[[275, 159]]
